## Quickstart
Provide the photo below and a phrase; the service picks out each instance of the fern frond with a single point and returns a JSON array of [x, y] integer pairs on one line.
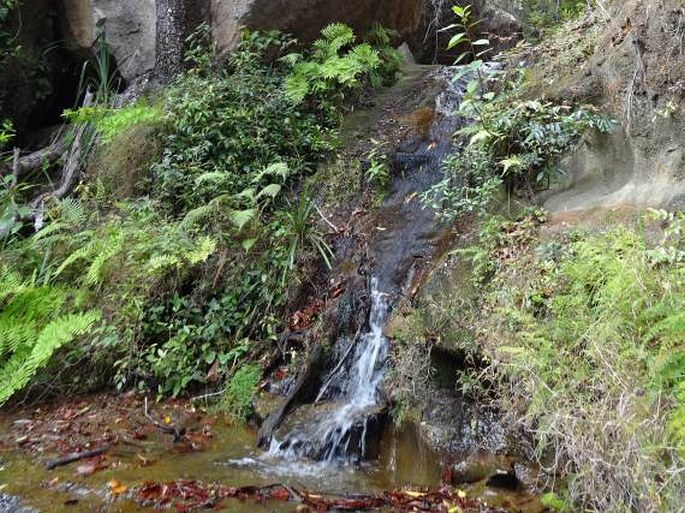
[[241, 217], [162, 262], [202, 251], [112, 247], [271, 190], [23, 365]]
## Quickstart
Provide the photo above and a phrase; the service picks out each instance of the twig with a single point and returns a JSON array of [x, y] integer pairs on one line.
[[337, 367], [75, 456], [208, 395], [15, 167], [329, 223], [178, 432]]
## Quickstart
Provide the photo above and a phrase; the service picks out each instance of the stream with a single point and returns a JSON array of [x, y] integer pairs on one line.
[[339, 442]]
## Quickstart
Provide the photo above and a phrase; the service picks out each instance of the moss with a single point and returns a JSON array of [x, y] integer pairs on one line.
[[120, 168]]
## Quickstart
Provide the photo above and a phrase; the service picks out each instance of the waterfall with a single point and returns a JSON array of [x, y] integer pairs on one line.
[[342, 433]]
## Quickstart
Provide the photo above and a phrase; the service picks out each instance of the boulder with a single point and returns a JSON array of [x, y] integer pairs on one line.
[[130, 28]]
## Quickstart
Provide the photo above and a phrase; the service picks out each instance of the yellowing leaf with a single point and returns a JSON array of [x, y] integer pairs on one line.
[[116, 488]]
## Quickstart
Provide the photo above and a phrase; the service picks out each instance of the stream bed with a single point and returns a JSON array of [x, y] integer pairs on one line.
[[218, 452]]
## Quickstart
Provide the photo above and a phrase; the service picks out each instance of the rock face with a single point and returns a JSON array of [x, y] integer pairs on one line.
[[500, 23], [150, 34], [636, 70], [306, 18], [130, 28]]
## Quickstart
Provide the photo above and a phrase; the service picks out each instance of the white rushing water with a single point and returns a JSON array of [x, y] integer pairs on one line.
[[341, 431]]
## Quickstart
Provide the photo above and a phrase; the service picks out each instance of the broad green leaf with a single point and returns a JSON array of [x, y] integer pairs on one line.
[[456, 39]]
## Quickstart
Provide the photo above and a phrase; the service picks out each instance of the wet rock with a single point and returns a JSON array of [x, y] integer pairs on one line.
[[305, 433], [453, 424], [504, 480]]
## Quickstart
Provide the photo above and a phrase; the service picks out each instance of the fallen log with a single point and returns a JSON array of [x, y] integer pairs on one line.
[[75, 456], [49, 154]]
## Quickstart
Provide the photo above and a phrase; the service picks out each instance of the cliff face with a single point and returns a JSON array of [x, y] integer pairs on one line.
[[630, 59], [146, 34], [131, 28]]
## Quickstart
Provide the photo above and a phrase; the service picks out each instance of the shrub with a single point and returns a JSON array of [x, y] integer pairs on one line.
[[513, 141], [237, 400]]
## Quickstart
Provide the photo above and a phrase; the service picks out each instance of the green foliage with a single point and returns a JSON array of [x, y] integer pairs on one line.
[[465, 36], [299, 233], [241, 123], [335, 66], [237, 400], [111, 122], [378, 171], [34, 323], [552, 501], [8, 47], [541, 14], [513, 141], [99, 73], [190, 278], [587, 337], [6, 132]]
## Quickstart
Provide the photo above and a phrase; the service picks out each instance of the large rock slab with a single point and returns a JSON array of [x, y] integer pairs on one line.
[[130, 27]]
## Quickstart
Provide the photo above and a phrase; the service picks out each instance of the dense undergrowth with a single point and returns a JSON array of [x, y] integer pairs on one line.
[[190, 235], [586, 336]]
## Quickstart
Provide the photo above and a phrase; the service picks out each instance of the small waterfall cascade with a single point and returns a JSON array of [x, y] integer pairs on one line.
[[344, 423], [341, 433]]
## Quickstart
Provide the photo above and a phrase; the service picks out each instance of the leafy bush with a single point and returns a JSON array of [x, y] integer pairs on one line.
[[237, 400], [239, 125], [513, 141], [190, 279]]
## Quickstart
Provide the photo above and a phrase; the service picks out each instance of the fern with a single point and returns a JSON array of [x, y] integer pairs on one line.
[[332, 66], [16, 372], [32, 327]]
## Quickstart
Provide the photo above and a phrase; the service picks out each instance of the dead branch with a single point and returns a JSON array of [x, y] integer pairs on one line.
[[72, 166], [178, 432], [75, 456], [326, 220], [50, 154], [15, 167]]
